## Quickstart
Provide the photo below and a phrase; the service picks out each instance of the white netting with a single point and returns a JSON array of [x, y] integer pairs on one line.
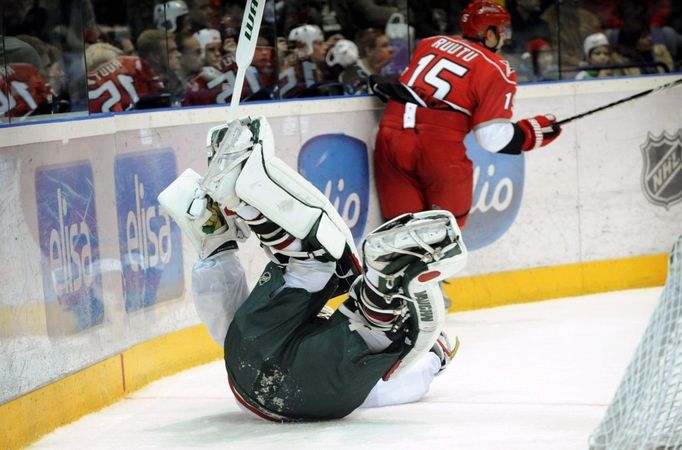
[[646, 412]]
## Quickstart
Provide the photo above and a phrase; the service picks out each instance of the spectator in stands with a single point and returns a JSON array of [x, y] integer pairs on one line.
[[635, 46], [341, 55], [117, 82], [51, 70], [230, 23], [597, 54], [537, 63], [576, 24], [203, 14], [40, 47], [357, 15], [56, 77], [297, 12], [191, 61], [375, 54], [159, 49], [299, 72], [265, 64], [211, 47], [172, 16], [526, 24], [23, 65], [118, 36], [606, 11]]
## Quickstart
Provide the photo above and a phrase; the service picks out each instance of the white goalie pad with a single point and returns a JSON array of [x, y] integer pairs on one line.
[[185, 202], [431, 241], [427, 312], [431, 236], [286, 198]]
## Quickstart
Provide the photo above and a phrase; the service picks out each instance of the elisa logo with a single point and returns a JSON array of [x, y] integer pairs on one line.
[[337, 165], [69, 245], [149, 241], [498, 189]]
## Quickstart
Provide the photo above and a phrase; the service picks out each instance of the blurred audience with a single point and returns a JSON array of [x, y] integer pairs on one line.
[[635, 46], [537, 63], [299, 70], [172, 16], [597, 52], [191, 60], [211, 47], [159, 49], [526, 24], [203, 14], [117, 82], [576, 23], [375, 53], [24, 90], [341, 55]]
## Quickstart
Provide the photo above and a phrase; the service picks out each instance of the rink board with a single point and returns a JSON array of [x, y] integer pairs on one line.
[[98, 269]]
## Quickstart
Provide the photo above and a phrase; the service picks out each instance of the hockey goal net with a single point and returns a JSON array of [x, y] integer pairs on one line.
[[646, 411]]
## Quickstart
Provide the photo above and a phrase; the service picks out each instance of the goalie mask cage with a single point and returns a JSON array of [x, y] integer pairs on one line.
[[646, 411]]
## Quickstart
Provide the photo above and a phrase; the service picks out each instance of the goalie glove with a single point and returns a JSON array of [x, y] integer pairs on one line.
[[443, 350], [537, 131]]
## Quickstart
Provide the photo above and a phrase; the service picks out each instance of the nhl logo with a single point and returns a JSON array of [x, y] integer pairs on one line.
[[662, 172]]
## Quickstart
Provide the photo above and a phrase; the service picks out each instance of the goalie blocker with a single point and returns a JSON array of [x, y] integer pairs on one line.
[[208, 228]]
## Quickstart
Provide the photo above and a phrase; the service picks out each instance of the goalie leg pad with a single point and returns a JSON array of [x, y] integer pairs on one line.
[[185, 202], [411, 254], [290, 201], [429, 242]]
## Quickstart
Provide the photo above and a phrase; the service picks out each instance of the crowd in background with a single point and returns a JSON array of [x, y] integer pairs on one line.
[[94, 56]]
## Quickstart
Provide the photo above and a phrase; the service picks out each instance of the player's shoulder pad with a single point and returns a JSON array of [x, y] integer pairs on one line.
[[496, 65]]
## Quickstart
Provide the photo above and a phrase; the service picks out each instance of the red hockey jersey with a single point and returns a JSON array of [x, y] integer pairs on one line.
[[22, 90], [119, 83], [453, 73], [214, 86]]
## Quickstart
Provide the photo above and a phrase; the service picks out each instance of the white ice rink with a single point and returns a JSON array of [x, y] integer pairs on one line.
[[531, 376]]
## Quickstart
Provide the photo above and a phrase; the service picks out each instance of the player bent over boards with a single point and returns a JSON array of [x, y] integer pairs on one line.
[[286, 361]]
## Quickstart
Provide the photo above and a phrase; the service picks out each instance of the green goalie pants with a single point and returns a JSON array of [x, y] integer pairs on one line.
[[281, 358]]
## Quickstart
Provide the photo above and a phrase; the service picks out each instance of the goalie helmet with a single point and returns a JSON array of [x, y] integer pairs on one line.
[[482, 15], [303, 37], [207, 36], [166, 14], [344, 53]]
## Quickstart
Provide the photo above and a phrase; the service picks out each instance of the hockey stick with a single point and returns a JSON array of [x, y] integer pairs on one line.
[[246, 47], [618, 102]]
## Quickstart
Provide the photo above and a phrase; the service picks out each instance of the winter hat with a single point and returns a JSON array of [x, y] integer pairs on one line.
[[592, 41]]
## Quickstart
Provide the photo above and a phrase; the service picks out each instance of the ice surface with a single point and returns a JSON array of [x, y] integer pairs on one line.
[[530, 376]]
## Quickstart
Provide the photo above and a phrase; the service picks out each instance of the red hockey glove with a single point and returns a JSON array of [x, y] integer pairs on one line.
[[538, 131]]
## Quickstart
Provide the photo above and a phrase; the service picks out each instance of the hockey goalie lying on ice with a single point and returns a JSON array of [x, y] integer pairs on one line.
[[287, 357]]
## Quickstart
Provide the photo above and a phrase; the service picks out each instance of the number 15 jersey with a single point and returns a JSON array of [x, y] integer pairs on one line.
[[456, 74]]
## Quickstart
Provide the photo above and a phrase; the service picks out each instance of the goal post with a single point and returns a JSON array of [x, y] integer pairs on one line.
[[646, 411]]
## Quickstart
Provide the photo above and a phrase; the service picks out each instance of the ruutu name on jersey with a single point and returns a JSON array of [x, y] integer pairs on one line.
[[455, 48]]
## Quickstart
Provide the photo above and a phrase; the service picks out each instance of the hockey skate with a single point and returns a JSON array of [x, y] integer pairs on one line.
[[444, 350], [404, 260]]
